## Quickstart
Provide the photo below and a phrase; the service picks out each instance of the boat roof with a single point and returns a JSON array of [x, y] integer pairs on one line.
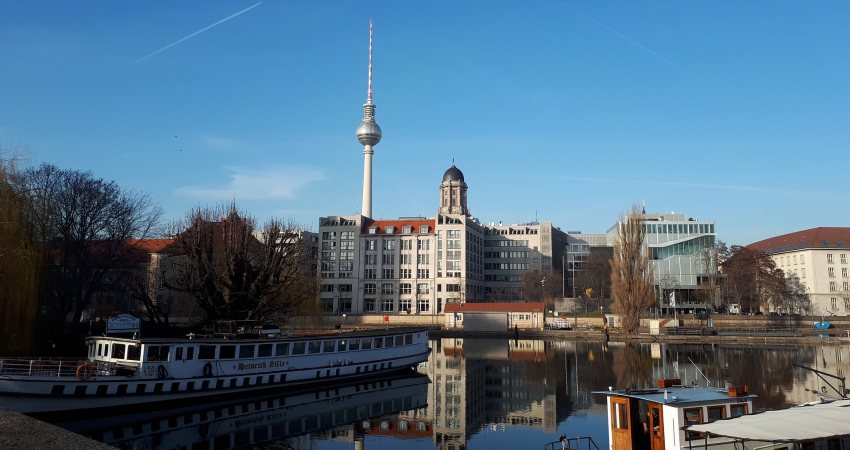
[[677, 395], [799, 423], [200, 339]]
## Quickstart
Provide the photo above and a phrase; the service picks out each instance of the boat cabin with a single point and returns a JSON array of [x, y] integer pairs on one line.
[[652, 419]]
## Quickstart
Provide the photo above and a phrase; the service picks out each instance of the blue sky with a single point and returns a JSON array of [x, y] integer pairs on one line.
[[568, 111]]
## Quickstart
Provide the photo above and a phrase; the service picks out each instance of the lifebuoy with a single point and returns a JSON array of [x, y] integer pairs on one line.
[[207, 370], [85, 371], [161, 372]]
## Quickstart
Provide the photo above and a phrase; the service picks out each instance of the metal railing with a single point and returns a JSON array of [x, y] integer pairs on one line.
[[567, 443], [55, 367]]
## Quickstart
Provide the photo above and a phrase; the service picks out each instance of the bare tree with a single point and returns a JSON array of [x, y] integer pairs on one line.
[[631, 274], [20, 265], [752, 278], [85, 224], [235, 275], [710, 258], [595, 275]]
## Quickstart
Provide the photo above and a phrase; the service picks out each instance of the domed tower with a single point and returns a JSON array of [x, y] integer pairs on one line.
[[453, 193], [369, 134]]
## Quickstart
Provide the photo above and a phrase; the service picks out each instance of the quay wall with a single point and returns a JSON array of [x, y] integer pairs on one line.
[[19, 431]]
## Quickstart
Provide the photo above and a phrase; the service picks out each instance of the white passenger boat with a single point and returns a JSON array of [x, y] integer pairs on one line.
[[120, 371]]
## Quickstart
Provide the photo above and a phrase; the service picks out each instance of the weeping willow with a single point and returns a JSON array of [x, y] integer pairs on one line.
[[19, 269]]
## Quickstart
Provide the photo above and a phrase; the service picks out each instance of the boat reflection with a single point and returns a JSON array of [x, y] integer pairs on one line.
[[341, 411]]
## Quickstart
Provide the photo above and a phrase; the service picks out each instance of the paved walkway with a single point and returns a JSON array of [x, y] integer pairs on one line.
[[23, 432]]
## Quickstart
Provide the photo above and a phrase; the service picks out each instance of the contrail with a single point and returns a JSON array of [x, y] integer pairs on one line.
[[193, 34], [623, 36]]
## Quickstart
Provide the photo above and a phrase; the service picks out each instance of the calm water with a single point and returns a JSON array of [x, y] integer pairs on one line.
[[475, 394]]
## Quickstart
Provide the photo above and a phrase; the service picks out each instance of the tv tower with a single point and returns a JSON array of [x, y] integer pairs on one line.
[[369, 134]]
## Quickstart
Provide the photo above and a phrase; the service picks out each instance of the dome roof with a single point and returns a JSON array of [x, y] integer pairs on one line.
[[453, 174], [368, 133]]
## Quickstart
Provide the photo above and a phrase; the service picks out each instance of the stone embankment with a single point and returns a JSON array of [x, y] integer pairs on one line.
[[19, 431]]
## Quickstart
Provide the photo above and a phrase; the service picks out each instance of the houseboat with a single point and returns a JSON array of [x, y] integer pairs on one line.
[[653, 419], [122, 371]]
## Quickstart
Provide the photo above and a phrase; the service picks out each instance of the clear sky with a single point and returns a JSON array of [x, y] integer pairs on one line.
[[567, 111]]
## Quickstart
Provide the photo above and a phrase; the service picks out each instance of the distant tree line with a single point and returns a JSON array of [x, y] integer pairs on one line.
[[70, 241]]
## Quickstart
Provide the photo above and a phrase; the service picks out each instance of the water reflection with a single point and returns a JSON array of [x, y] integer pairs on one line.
[[483, 393]]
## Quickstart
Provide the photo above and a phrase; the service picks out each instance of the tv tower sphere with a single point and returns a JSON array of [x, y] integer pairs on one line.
[[369, 133]]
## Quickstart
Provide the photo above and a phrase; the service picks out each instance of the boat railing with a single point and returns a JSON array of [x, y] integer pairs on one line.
[[60, 367], [572, 443]]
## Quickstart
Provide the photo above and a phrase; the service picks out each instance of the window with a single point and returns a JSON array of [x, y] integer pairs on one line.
[[716, 413], [299, 348], [227, 352], [846, 286], [802, 259], [803, 272], [844, 258], [422, 273], [281, 349], [829, 258], [370, 260], [833, 303], [369, 288], [423, 245], [407, 229], [387, 305], [389, 244], [119, 349], [345, 288], [739, 410], [246, 351], [422, 259], [369, 304], [405, 259], [422, 288], [373, 230], [390, 230], [346, 235], [422, 305], [369, 274], [406, 273], [844, 272], [423, 229], [346, 266], [328, 346], [404, 288], [621, 416], [371, 244], [206, 352], [388, 259], [389, 273], [693, 416], [314, 347], [328, 288], [831, 272], [387, 288], [328, 235], [346, 256], [832, 286], [404, 305], [407, 244]]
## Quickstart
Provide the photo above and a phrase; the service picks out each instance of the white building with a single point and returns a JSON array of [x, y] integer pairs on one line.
[[819, 258]]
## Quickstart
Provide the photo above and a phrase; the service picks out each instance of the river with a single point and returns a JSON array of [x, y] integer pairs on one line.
[[477, 394]]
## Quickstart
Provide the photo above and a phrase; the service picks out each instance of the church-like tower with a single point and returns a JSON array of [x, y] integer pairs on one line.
[[369, 134], [453, 193]]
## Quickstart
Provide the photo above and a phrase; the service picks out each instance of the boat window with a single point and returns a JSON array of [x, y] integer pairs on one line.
[[388, 341], [106, 350], [282, 349], [366, 343], [206, 352], [178, 354], [158, 353], [354, 344], [621, 416], [190, 352], [379, 342], [342, 345], [739, 410], [227, 352], [693, 416], [118, 350], [315, 346], [265, 350], [399, 341], [328, 346], [246, 351], [134, 352], [99, 349], [716, 413], [408, 339], [298, 348]]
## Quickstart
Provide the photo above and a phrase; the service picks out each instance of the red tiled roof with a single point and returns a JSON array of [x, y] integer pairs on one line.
[[821, 237], [398, 223], [494, 307], [151, 245]]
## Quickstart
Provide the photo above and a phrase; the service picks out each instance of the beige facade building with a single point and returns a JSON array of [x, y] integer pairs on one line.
[[415, 265], [820, 259]]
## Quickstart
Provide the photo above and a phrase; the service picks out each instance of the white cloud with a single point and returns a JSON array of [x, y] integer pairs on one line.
[[280, 182]]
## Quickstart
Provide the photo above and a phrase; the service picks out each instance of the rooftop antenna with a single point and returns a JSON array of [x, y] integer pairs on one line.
[[369, 90], [643, 207]]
